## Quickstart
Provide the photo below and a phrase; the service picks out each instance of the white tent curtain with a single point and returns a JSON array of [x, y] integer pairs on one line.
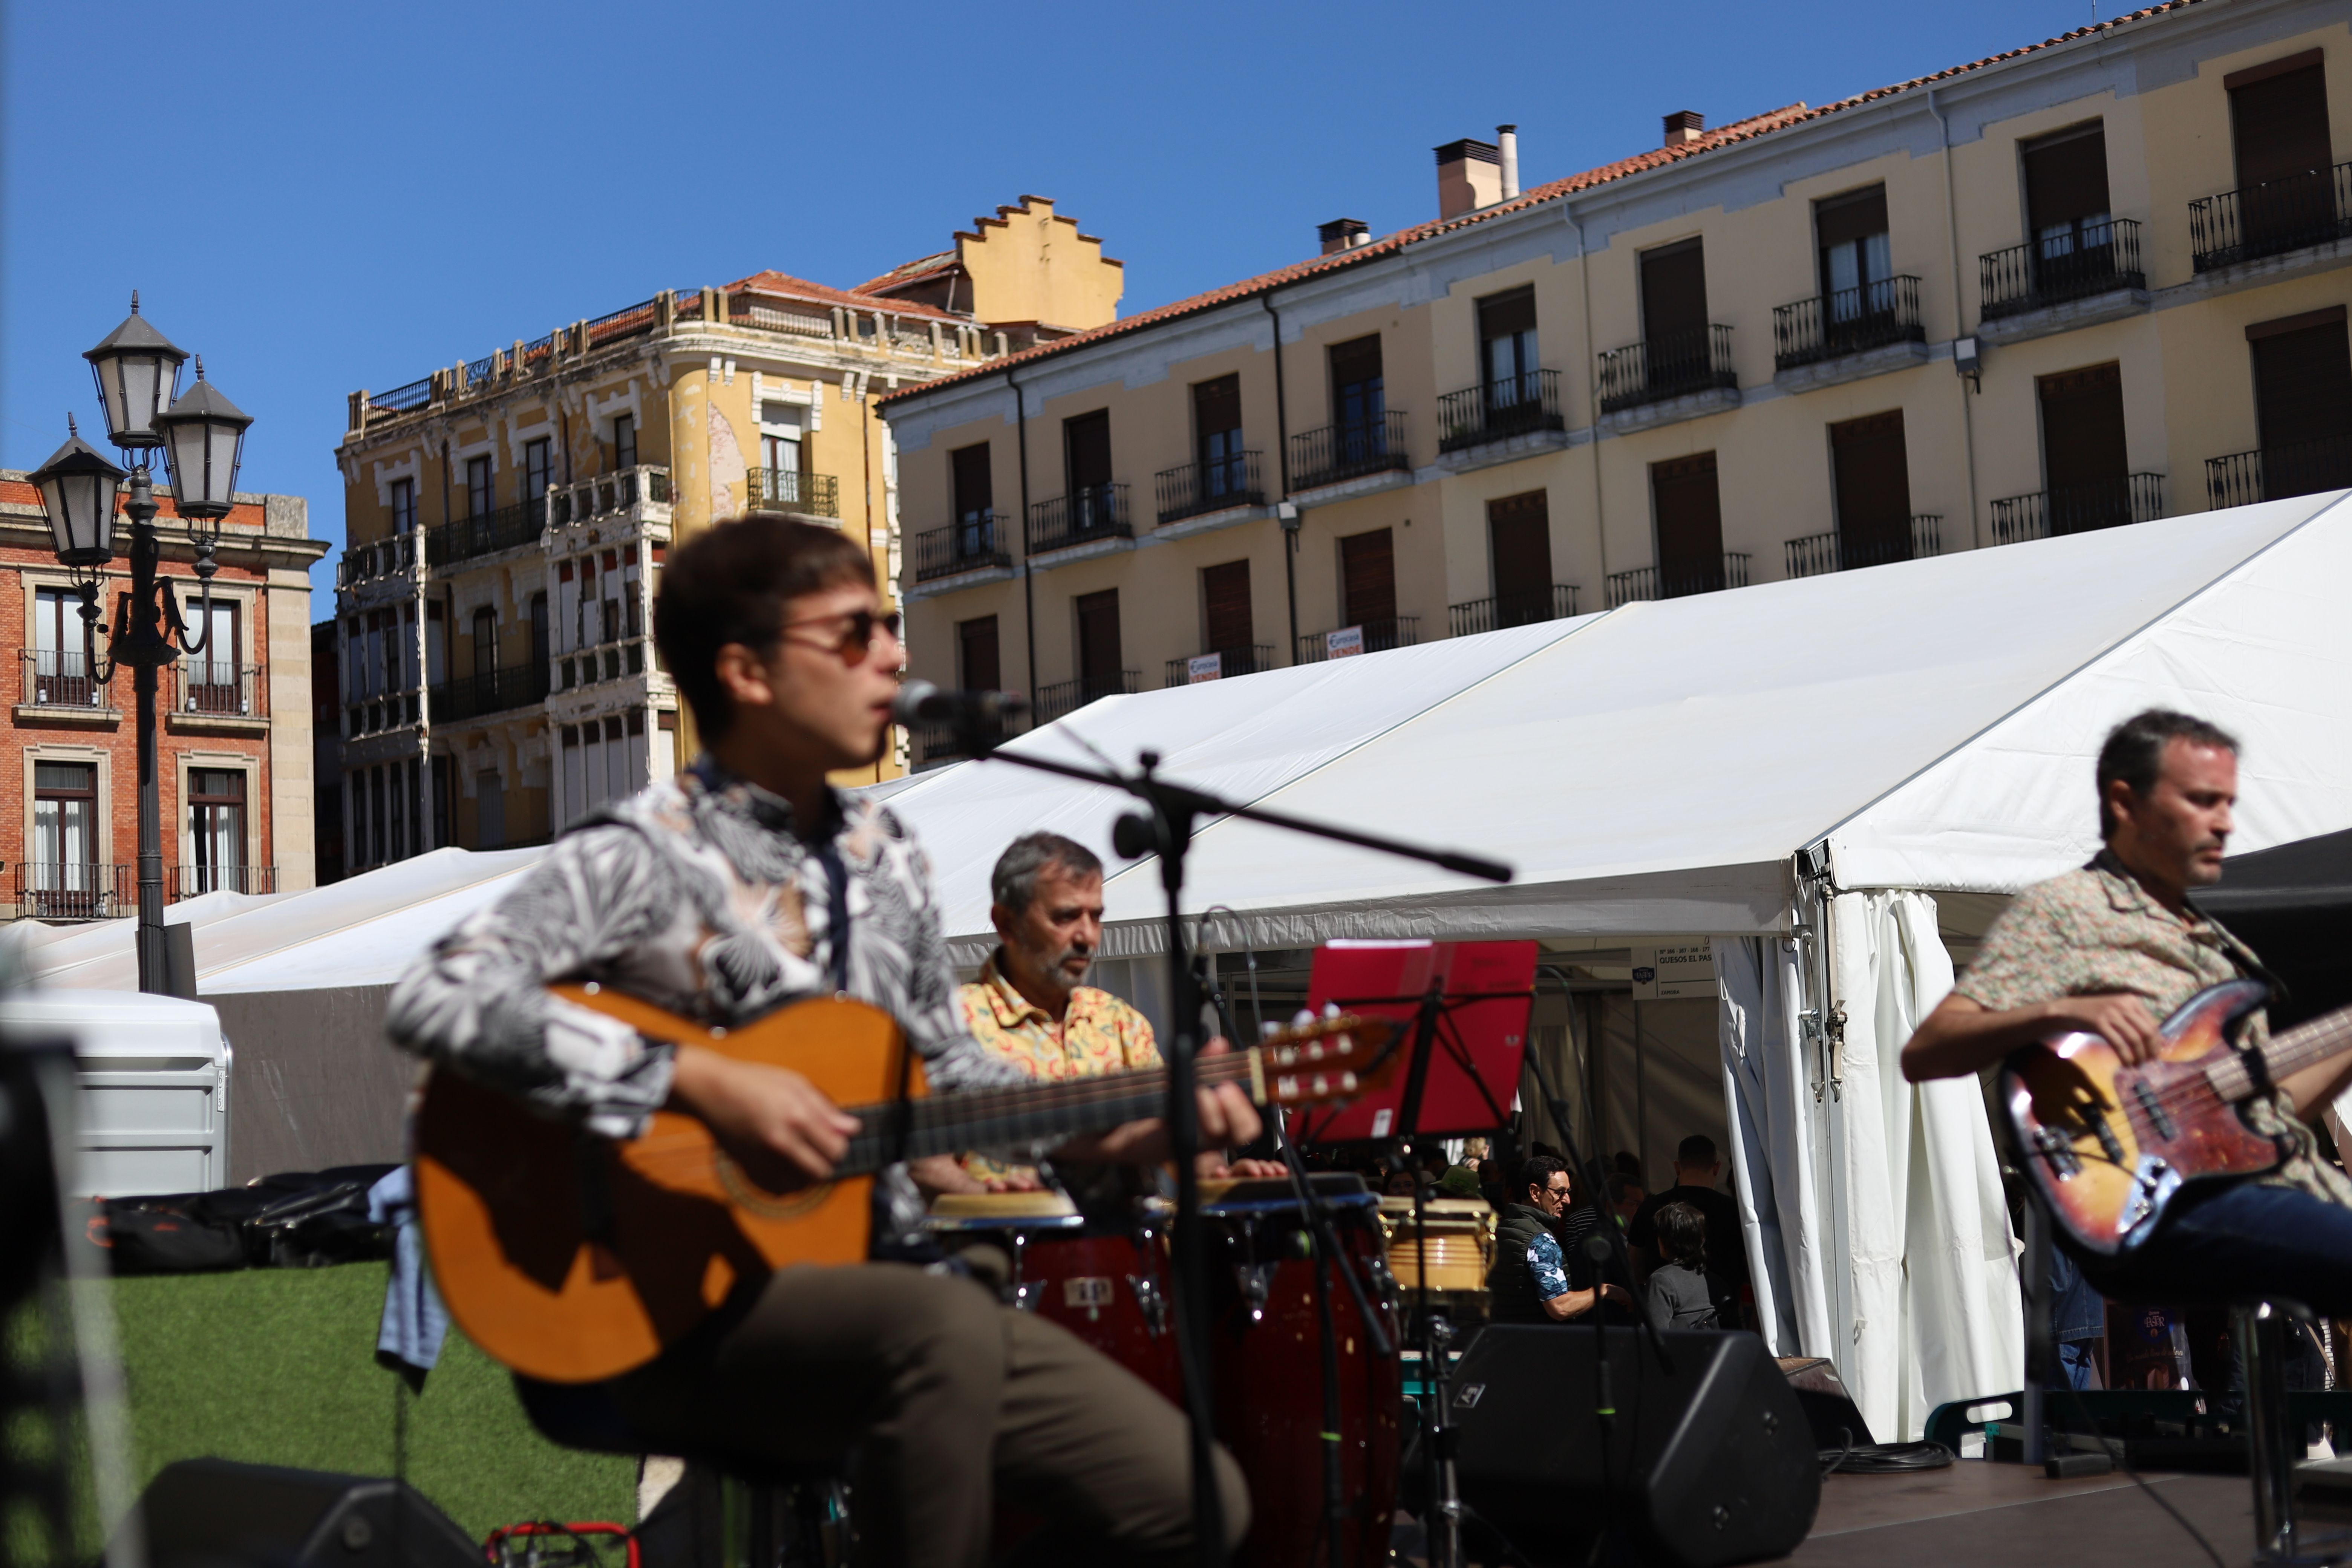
[[1767, 1095]]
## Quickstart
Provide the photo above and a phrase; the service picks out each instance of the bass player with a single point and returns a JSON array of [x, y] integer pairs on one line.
[[2112, 948], [744, 885]]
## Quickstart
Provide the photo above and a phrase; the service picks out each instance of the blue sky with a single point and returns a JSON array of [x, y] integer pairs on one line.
[[322, 197]]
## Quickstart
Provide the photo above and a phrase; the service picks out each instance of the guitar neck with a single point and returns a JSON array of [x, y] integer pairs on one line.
[[2308, 1044]]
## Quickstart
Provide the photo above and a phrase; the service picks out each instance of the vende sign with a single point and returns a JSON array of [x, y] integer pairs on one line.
[[1345, 643], [1203, 667]]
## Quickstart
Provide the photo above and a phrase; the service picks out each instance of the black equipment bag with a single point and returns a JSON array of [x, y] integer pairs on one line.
[[296, 1219]]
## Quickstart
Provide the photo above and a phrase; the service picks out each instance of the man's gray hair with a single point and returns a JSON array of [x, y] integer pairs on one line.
[[1014, 883]]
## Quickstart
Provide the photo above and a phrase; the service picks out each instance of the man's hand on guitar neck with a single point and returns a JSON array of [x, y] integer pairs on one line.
[[1961, 1036], [776, 1124]]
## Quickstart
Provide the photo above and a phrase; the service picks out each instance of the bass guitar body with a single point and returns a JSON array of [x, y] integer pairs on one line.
[[2109, 1144], [572, 1258]]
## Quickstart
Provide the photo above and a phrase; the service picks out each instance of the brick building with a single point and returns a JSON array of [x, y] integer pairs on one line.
[[234, 732]]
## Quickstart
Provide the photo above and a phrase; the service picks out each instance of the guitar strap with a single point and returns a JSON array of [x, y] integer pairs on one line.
[[836, 920]]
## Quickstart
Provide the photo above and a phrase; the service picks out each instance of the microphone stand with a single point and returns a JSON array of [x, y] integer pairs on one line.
[[1164, 826]]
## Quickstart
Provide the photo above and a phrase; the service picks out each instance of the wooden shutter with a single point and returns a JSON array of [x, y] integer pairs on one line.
[[1086, 441], [1368, 577], [2067, 176], [1217, 406], [1873, 489], [975, 488], [1225, 603], [1519, 534], [2278, 122], [1503, 315], [1689, 513], [1357, 362], [1674, 290], [1857, 215], [1098, 652], [976, 644], [2083, 460], [2303, 379]]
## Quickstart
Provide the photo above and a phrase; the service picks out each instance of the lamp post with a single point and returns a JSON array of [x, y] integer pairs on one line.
[[201, 436]]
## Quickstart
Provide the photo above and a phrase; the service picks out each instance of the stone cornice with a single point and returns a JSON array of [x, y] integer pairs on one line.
[[26, 528]]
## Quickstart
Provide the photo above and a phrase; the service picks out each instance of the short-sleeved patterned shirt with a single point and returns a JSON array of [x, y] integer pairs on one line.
[[1099, 1033], [1549, 1267], [2094, 930]]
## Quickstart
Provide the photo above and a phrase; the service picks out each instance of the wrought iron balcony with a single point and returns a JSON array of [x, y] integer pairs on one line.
[[193, 881], [1230, 661], [1847, 322], [1514, 607], [1069, 696], [59, 678], [380, 711], [2101, 258], [607, 493], [970, 545], [47, 890], [1514, 405], [1819, 553], [1194, 489], [402, 399], [934, 743], [221, 689], [1672, 364], [789, 489], [1650, 582], [492, 691], [486, 534], [2274, 473], [1397, 631], [592, 666], [1080, 518], [2271, 219], [2078, 509], [1347, 451], [373, 562]]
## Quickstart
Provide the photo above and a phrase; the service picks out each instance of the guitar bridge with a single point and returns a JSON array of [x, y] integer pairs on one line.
[[2053, 1146]]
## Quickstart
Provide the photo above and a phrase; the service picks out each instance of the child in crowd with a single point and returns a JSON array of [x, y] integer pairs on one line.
[[1678, 1294]]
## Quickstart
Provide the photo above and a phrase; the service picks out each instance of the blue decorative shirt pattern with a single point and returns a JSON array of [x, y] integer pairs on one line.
[[1548, 1268]]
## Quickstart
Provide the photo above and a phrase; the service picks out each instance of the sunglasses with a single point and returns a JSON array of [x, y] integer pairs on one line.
[[858, 628]]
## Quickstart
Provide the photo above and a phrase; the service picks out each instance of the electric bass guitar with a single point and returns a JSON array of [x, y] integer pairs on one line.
[[572, 1258], [2109, 1146]]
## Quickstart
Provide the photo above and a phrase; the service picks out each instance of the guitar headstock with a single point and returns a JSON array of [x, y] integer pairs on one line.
[[1329, 1058]]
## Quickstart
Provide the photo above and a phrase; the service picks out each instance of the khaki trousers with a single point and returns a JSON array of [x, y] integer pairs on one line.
[[943, 1398]]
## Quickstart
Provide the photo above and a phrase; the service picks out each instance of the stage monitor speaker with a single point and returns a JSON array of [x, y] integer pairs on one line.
[[214, 1513], [1707, 1464]]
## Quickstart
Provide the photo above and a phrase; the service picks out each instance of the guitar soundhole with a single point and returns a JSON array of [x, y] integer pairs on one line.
[[760, 1202]]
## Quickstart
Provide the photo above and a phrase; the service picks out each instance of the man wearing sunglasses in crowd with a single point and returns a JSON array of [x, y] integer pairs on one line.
[[741, 886]]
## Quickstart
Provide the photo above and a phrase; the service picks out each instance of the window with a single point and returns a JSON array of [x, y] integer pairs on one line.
[[1100, 669], [216, 830], [1519, 534], [1856, 260], [1225, 614], [1359, 400], [486, 642], [538, 468], [625, 441], [404, 506], [1086, 450], [489, 811], [479, 496], [1873, 480], [781, 448], [1368, 580], [1217, 437], [1506, 347], [977, 664], [2066, 196], [64, 880], [538, 629], [61, 666], [2084, 467], [1689, 514], [2303, 400], [975, 496], [1674, 303], [2278, 127], [212, 674]]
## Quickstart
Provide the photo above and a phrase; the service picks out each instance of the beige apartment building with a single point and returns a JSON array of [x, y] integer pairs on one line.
[[2083, 284], [507, 517]]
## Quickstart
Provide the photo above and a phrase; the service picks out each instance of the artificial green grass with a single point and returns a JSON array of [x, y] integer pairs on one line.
[[277, 1366]]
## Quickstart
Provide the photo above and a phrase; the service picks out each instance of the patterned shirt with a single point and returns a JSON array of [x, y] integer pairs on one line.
[[1549, 1267], [697, 895], [1098, 1034], [2096, 930]]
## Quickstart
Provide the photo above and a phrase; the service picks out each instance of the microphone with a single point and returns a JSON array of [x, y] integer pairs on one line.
[[920, 702]]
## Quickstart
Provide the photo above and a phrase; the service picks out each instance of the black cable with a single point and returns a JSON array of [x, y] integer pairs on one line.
[[1883, 1458]]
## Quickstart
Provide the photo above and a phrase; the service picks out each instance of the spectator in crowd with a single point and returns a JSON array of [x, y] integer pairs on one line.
[[1678, 1293], [1626, 1197], [1697, 1169], [1629, 1163], [1529, 1282]]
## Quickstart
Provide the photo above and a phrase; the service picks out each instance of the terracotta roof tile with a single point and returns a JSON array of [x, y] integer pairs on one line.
[[784, 286], [921, 267]]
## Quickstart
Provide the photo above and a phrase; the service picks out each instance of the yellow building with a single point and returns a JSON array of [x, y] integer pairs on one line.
[[2085, 283], [507, 517]]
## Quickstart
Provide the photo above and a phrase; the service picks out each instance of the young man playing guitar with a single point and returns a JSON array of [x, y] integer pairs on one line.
[[722, 895], [2111, 949]]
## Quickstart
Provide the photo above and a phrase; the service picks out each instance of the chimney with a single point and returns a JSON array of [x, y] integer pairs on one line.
[[1469, 176], [1685, 125], [1342, 234], [1506, 137]]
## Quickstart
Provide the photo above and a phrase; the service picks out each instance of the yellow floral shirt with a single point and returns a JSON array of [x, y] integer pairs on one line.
[[1100, 1033]]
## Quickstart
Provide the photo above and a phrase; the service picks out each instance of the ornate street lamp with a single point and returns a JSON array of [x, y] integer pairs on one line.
[[202, 437]]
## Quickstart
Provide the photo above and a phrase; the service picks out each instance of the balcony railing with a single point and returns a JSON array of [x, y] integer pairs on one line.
[[590, 667], [1397, 631], [193, 881], [55, 677], [1517, 607], [607, 493], [1069, 696], [486, 534], [789, 489], [402, 399], [2270, 219], [1349, 451], [1218, 485], [1819, 553], [2096, 259], [48, 891], [1099, 511], [933, 743], [970, 545], [492, 691], [1848, 322], [2274, 473], [2078, 509], [380, 711], [369, 562], [1650, 582], [1672, 364], [1514, 405], [1230, 661], [220, 689]]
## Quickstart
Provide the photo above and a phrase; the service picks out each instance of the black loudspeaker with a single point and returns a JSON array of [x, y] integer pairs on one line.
[[1710, 1461], [213, 1513]]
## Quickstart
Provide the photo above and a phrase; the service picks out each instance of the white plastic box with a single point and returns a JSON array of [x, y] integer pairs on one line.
[[154, 1087]]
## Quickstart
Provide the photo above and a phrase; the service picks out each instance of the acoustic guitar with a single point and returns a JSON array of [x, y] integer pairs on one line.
[[2110, 1145], [572, 1258]]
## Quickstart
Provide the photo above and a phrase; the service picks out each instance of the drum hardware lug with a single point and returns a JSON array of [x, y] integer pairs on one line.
[[1154, 1304], [1025, 1294], [1256, 1282]]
